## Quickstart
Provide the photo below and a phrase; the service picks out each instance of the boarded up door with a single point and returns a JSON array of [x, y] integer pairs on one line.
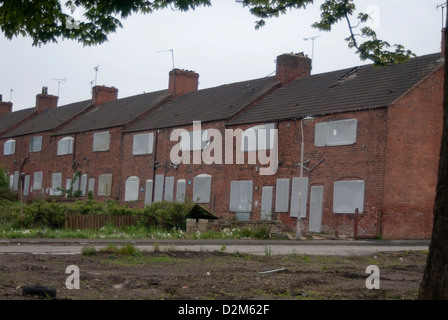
[[316, 199]]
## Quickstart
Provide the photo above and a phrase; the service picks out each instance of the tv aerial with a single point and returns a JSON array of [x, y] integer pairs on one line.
[[172, 54], [312, 48], [59, 81]]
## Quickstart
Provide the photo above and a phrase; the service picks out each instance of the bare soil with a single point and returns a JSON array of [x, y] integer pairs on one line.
[[203, 275]]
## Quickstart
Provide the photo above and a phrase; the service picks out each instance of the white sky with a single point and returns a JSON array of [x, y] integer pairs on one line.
[[218, 42]]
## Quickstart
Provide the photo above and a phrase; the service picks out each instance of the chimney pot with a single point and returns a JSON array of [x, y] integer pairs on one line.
[[292, 66]]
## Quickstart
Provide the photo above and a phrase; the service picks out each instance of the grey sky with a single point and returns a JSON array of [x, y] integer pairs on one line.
[[218, 42]]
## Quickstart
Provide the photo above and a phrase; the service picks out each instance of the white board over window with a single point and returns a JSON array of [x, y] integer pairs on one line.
[[348, 196], [101, 141], [35, 144], [105, 185], [241, 196], [335, 133], [65, 146], [143, 143], [131, 189], [37, 180], [299, 197], [181, 190], [56, 184], [282, 195], [169, 189], [202, 185], [9, 147]]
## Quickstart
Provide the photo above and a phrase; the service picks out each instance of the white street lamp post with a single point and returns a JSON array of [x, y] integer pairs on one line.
[[302, 144]]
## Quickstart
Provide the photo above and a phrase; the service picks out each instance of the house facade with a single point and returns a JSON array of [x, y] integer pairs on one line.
[[349, 152]]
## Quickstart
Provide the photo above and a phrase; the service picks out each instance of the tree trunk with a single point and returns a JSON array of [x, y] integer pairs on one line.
[[434, 284]]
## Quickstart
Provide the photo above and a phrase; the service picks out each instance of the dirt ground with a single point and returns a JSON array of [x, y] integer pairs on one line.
[[203, 275]]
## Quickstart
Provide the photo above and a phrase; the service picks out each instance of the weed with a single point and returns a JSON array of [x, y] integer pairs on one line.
[[267, 251], [88, 251]]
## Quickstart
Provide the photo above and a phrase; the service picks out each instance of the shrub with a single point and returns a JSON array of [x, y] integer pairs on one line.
[[165, 215]]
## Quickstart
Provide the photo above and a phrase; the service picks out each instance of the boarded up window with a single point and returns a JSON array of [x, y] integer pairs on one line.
[[101, 141], [143, 143], [282, 195], [148, 192], [316, 202], [35, 144], [91, 187], [68, 186], [241, 196], [65, 146], [258, 138], [202, 185], [335, 133], [9, 147], [37, 180], [83, 186], [15, 182], [26, 186], [104, 185], [56, 184], [158, 191], [131, 189], [194, 140], [169, 189], [266, 203], [181, 190], [348, 196], [75, 184], [299, 197]]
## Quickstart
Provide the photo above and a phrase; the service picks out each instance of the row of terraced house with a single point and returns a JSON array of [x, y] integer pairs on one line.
[[298, 148]]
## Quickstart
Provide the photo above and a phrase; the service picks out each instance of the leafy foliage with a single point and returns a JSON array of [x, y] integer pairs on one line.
[[332, 12], [45, 21], [166, 215]]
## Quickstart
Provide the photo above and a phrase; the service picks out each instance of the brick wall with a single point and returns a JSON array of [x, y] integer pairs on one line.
[[413, 146]]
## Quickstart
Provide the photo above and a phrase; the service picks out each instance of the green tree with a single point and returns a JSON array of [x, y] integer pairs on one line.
[[44, 21], [3, 180]]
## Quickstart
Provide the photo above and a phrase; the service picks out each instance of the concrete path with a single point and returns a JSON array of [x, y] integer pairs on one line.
[[258, 247]]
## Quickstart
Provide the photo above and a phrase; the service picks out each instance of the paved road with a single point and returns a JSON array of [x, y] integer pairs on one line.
[[259, 247]]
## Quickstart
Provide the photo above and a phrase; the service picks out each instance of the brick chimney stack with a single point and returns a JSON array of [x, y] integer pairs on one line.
[[291, 66], [443, 42], [182, 81], [5, 107], [103, 94], [45, 101]]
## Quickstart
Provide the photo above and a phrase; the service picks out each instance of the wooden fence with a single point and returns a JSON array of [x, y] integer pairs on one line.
[[97, 221]]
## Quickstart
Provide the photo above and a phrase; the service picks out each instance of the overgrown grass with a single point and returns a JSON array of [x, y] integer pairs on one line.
[[160, 220]]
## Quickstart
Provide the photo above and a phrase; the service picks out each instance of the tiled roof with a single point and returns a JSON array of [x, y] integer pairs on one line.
[[50, 119], [114, 113], [353, 89], [8, 120], [211, 104]]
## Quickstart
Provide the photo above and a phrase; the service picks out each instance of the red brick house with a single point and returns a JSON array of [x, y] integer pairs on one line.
[[371, 140]]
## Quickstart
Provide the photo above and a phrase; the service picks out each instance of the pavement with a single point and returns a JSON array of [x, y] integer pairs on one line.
[[258, 247]]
